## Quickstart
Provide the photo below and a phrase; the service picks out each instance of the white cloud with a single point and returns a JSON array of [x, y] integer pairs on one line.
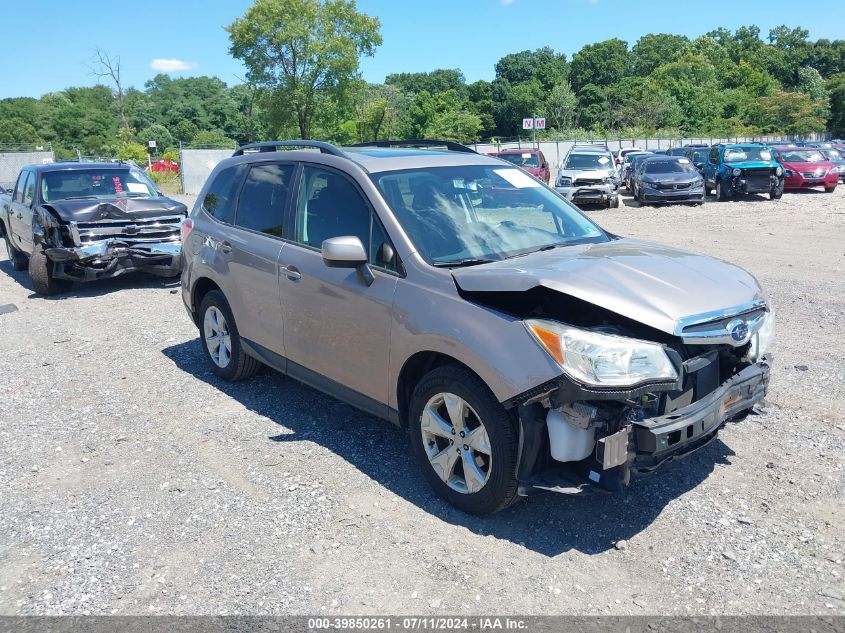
[[172, 65]]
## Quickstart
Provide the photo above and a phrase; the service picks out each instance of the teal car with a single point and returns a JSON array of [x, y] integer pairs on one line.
[[743, 168]]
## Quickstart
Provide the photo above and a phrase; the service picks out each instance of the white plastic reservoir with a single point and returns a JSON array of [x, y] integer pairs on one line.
[[569, 443]]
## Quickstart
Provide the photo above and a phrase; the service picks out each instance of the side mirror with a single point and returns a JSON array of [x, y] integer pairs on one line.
[[347, 252]]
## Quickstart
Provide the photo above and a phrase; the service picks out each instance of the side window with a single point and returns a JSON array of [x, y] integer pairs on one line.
[[330, 205], [19, 187], [29, 189], [714, 155], [221, 196], [263, 201]]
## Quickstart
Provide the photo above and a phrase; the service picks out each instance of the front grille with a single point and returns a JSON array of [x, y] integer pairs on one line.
[[161, 229], [674, 186], [586, 182], [812, 174], [758, 183]]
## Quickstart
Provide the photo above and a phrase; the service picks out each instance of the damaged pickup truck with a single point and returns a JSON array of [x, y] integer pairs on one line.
[[66, 222], [524, 348]]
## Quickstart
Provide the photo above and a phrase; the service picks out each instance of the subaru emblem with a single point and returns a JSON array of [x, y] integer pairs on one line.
[[738, 329]]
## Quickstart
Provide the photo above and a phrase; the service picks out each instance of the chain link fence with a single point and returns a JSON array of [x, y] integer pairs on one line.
[[13, 157], [196, 163]]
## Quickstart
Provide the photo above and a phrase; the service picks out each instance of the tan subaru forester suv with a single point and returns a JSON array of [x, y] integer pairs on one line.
[[524, 348]]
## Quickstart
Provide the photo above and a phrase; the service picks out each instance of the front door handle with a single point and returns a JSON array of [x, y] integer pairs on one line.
[[225, 246], [20, 216], [291, 272]]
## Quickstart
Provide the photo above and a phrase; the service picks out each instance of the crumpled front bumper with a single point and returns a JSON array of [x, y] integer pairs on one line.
[[589, 194], [641, 446], [670, 196], [102, 259]]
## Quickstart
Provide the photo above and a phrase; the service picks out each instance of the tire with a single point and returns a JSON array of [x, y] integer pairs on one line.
[[498, 490], [613, 203], [635, 193], [776, 195], [41, 274], [19, 260], [720, 191], [237, 365], [707, 190], [830, 189]]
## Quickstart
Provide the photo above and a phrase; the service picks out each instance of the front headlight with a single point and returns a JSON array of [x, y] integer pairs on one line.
[[602, 360], [779, 171], [563, 181], [762, 340], [737, 171]]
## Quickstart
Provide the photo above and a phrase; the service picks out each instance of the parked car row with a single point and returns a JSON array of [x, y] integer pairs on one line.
[[524, 348], [690, 173]]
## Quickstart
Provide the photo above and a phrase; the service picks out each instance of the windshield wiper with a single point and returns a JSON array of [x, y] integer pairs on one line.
[[79, 198], [471, 261]]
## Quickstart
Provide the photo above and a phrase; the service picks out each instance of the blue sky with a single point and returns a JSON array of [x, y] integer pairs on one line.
[[48, 43]]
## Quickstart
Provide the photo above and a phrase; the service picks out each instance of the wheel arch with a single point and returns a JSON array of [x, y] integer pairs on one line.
[[413, 370], [202, 287]]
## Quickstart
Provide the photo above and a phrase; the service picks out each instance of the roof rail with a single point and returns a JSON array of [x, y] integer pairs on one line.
[[270, 146], [449, 145]]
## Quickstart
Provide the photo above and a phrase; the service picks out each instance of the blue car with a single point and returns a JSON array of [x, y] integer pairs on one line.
[[744, 168]]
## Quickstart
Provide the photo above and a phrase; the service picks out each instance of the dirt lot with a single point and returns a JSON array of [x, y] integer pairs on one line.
[[135, 482]]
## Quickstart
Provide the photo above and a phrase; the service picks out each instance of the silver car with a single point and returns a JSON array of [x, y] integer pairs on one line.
[[587, 175], [524, 348]]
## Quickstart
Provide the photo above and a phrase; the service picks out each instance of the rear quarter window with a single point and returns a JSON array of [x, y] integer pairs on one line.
[[222, 194]]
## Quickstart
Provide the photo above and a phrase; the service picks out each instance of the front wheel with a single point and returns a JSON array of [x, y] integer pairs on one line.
[[221, 341], [776, 195], [721, 196], [41, 274], [19, 260], [830, 189], [464, 441]]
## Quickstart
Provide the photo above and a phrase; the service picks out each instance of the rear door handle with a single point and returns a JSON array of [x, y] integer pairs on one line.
[[225, 246], [291, 272]]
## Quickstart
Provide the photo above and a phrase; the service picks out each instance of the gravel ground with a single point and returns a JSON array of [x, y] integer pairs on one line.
[[135, 482]]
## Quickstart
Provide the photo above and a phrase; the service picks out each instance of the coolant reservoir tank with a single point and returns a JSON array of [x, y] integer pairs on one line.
[[569, 443]]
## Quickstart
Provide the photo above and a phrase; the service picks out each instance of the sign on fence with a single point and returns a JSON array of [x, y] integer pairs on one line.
[[540, 124], [528, 124]]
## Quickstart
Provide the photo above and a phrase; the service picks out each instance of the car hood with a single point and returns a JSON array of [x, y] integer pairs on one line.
[[115, 209], [654, 284], [802, 167], [751, 164], [587, 173]]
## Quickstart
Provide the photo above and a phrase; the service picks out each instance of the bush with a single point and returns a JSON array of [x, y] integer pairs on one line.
[[134, 152], [171, 154], [167, 181]]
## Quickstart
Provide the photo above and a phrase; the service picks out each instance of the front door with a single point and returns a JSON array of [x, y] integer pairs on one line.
[[337, 328], [20, 212]]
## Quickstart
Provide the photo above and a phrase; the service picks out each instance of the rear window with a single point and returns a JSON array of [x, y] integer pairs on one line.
[[219, 200], [523, 160], [96, 184]]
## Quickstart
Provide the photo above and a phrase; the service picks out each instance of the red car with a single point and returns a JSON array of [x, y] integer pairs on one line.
[[806, 167], [531, 160]]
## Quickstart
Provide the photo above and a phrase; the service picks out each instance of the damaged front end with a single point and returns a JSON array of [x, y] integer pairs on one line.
[[107, 239], [639, 385]]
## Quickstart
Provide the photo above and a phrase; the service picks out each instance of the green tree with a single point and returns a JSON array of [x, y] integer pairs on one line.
[[439, 80], [458, 125], [836, 92], [789, 113], [811, 82], [542, 65], [134, 152], [16, 130], [211, 138], [561, 106], [302, 49], [157, 133], [655, 49], [601, 64]]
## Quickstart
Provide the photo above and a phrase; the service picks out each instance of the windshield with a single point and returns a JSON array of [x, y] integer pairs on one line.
[[629, 158], [740, 154], [478, 213], [96, 184], [587, 161], [802, 156], [668, 167], [832, 154], [523, 160]]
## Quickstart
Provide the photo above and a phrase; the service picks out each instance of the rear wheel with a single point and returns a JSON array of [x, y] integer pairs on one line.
[[221, 341], [18, 259], [464, 441], [41, 274]]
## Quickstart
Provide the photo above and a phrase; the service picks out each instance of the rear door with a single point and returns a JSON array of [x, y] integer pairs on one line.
[[337, 328], [20, 213]]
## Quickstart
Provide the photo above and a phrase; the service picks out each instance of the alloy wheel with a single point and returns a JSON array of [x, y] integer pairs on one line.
[[217, 337], [456, 442]]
